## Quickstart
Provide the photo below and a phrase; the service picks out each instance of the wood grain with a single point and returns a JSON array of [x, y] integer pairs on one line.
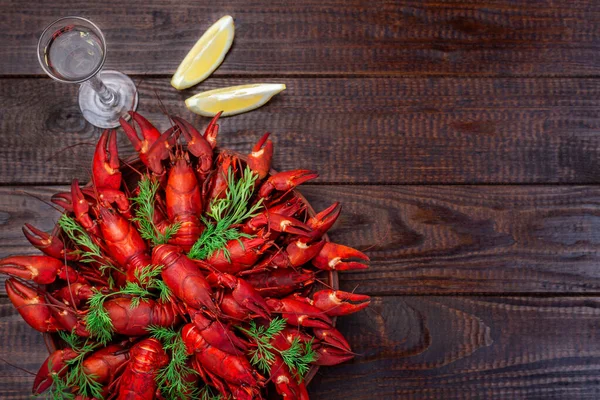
[[425, 348], [427, 239], [21, 346], [469, 348], [401, 130], [506, 37]]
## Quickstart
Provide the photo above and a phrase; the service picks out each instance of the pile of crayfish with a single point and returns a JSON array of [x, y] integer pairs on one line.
[[203, 276]]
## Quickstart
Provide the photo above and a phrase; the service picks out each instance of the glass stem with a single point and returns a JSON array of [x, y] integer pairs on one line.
[[106, 95]]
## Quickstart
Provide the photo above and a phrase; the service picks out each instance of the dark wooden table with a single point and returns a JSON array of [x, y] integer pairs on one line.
[[460, 136]]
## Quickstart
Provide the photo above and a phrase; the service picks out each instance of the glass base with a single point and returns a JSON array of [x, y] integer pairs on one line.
[[107, 116]]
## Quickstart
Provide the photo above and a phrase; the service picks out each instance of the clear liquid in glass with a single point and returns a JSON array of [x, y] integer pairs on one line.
[[74, 53]]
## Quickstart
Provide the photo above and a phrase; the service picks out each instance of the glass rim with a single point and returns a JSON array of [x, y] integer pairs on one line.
[[45, 67]]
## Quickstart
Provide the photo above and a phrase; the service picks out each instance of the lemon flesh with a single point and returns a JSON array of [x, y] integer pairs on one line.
[[206, 55], [233, 100]]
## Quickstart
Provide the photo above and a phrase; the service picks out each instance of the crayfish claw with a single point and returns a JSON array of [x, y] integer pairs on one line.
[[197, 145], [289, 225], [49, 244], [31, 304], [105, 164], [212, 130], [310, 321], [285, 181], [55, 364], [39, 269], [81, 208], [161, 150], [299, 312], [299, 252], [337, 302], [64, 200], [278, 223], [332, 337], [149, 131], [259, 160], [328, 356], [285, 383], [248, 297], [333, 256], [324, 220], [131, 134]]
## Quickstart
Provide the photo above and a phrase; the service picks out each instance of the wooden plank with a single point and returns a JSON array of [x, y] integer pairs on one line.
[[21, 346], [428, 239], [427, 348], [507, 37], [380, 130], [469, 348]]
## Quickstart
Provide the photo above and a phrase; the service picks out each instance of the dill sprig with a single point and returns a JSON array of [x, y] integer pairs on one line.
[[98, 320], [76, 381], [207, 394], [227, 212], [144, 214], [88, 250], [59, 389], [297, 357], [170, 379]]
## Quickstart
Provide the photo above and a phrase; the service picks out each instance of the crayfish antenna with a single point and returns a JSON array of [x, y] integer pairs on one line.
[[17, 367], [40, 199]]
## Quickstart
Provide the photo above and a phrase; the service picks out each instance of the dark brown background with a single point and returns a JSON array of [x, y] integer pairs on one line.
[[461, 137]]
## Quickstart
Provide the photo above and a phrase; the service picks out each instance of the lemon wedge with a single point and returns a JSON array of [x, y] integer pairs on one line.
[[233, 100], [206, 55]]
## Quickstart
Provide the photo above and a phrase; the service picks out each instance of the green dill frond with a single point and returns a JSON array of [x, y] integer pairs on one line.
[[207, 394], [275, 327], [170, 379], [59, 389], [90, 250], [162, 334], [234, 207], [97, 320], [227, 213], [214, 238], [87, 249], [71, 339], [148, 273], [135, 302], [104, 270], [164, 293], [262, 357], [170, 231], [133, 289], [297, 357], [262, 334], [309, 355], [76, 379], [144, 213], [86, 384]]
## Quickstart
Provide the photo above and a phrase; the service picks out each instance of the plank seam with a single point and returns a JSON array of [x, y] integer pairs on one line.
[[325, 75], [538, 295], [470, 184]]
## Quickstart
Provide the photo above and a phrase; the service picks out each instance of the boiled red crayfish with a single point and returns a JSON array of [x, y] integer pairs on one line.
[[126, 271]]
